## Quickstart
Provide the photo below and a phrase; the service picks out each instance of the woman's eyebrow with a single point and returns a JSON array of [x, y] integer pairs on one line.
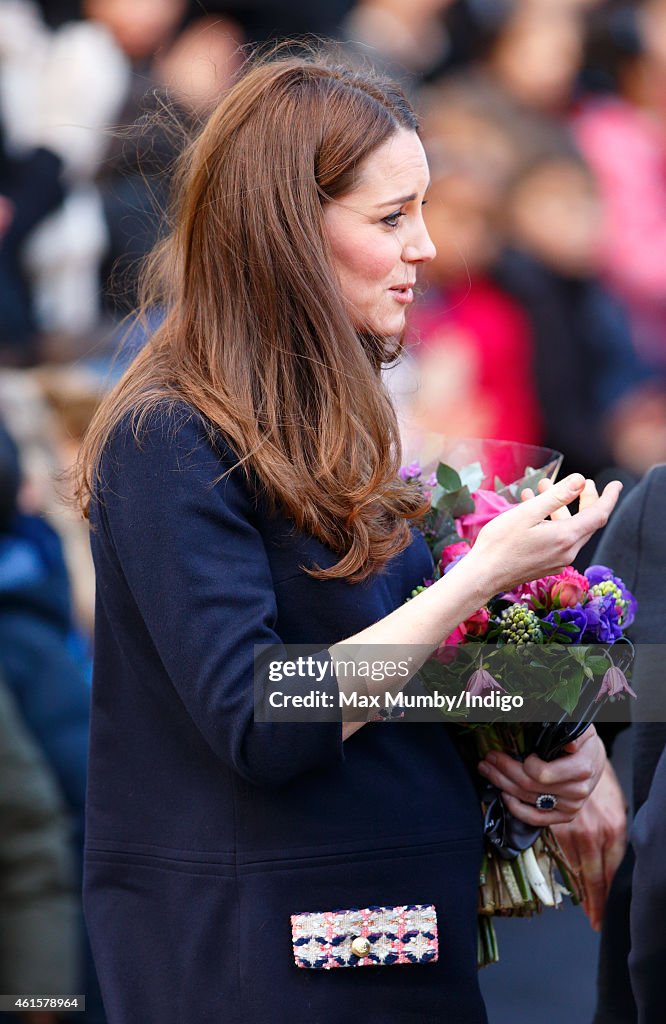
[[402, 200], [398, 202]]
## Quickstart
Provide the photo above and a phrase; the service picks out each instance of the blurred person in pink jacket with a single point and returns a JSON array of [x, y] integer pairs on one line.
[[623, 137]]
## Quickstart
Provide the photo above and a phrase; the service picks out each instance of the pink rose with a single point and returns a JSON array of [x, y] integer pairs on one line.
[[451, 552], [457, 637], [488, 505], [475, 625], [569, 588], [535, 594]]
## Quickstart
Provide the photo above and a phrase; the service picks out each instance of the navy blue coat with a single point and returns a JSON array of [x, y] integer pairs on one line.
[[207, 830], [631, 967]]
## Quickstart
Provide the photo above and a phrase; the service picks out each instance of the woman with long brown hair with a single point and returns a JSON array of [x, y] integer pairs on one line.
[[243, 490]]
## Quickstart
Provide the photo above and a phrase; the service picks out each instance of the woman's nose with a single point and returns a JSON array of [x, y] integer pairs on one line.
[[420, 249]]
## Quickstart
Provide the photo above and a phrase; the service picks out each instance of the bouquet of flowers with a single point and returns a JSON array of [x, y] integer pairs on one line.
[[559, 639]]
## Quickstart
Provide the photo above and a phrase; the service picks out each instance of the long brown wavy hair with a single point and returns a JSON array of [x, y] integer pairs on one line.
[[256, 335]]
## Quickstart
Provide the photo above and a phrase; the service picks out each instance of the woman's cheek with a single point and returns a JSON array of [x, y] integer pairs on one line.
[[377, 260]]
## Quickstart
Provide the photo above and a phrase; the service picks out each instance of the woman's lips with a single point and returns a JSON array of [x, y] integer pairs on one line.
[[403, 293]]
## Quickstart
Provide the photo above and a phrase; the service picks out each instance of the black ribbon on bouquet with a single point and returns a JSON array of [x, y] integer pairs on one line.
[[507, 835]]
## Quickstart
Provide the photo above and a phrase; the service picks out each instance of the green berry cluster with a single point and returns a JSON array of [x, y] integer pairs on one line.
[[416, 591], [608, 587], [520, 625]]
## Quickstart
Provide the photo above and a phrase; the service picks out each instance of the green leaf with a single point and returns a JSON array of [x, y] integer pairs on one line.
[[448, 478], [597, 664], [443, 542], [567, 691], [472, 476], [532, 478], [435, 495], [457, 503]]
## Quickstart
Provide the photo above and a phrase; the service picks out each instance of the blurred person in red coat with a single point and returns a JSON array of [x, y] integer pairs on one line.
[[471, 339]]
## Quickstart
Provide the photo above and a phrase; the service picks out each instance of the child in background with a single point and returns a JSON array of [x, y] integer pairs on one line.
[[599, 406]]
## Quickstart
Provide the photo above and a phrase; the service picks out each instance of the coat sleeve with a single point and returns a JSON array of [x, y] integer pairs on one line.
[[618, 549], [195, 562], [648, 903]]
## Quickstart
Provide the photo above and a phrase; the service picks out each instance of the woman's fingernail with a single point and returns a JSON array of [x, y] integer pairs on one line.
[[492, 758], [483, 768]]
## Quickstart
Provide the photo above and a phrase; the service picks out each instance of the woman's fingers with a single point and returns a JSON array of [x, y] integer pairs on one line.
[[555, 497], [532, 815], [507, 787], [595, 515], [571, 778], [522, 544], [580, 769], [510, 776], [533, 773], [560, 513], [588, 496]]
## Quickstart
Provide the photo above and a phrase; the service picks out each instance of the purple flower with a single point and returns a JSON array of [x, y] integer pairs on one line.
[[604, 582], [576, 616], [614, 684], [603, 625], [481, 682], [410, 472], [599, 574]]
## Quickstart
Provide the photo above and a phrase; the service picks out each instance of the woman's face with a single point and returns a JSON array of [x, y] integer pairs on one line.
[[378, 237]]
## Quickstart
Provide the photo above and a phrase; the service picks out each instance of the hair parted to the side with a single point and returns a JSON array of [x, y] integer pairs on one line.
[[256, 336]]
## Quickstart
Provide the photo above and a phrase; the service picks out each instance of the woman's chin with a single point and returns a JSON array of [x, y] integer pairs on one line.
[[391, 327]]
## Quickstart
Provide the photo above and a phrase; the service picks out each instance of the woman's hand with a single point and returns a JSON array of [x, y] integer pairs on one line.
[[522, 544], [595, 841], [571, 778]]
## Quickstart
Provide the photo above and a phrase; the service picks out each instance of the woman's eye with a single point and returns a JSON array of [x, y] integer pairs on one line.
[[392, 219]]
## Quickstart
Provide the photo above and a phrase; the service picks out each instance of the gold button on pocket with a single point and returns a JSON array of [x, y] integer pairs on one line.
[[360, 946]]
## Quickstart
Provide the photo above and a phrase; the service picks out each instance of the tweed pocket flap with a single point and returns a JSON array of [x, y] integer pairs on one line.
[[373, 937]]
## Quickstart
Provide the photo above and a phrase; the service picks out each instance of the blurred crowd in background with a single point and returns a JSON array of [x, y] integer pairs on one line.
[[542, 319]]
